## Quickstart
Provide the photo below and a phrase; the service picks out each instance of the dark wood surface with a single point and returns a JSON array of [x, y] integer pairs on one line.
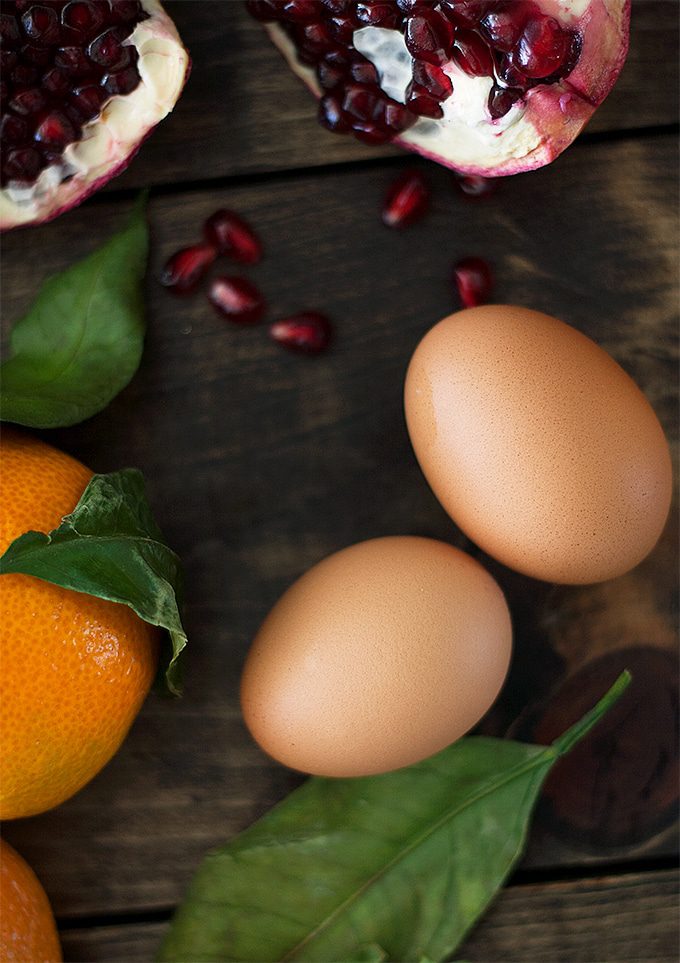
[[259, 463]]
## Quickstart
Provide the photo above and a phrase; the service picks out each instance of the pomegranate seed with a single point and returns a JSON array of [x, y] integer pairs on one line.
[[8, 60], [29, 101], [13, 130], [183, 271], [393, 117], [24, 74], [502, 99], [342, 29], [472, 55], [363, 72], [379, 14], [503, 25], [229, 234], [237, 299], [73, 61], [127, 11], [465, 13], [368, 133], [55, 131], [332, 116], [407, 200], [337, 6], [87, 102], [40, 56], [121, 83], [107, 50], [9, 31], [543, 48], [409, 6], [299, 11], [55, 81], [329, 75], [82, 16], [428, 36], [360, 102], [473, 280], [474, 185], [420, 102], [41, 24], [23, 165], [315, 39], [264, 10], [307, 333], [432, 80]]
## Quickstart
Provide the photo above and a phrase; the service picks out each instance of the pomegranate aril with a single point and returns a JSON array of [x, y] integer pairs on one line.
[[329, 76], [337, 6], [39, 56], [543, 48], [107, 50], [420, 102], [13, 131], [433, 80], [8, 60], [503, 24], [369, 133], [474, 282], [55, 81], [474, 185], [406, 200], [342, 29], [472, 55], [183, 271], [41, 24], [9, 31], [299, 11], [265, 11], [428, 36], [360, 102], [379, 14], [22, 164], [332, 116], [83, 17], [502, 99], [510, 75], [73, 61], [314, 39], [237, 299], [24, 74], [122, 82], [308, 332], [466, 13], [229, 234], [88, 101], [363, 72], [409, 6], [127, 11], [29, 101], [55, 130], [393, 117]]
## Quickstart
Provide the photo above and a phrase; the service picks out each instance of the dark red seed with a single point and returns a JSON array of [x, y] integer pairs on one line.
[[332, 116], [266, 11], [229, 234], [337, 6], [22, 165], [88, 101], [378, 14], [83, 17], [543, 48], [237, 299], [41, 24], [359, 102], [393, 117], [9, 31], [13, 131], [502, 99], [8, 60], [503, 24], [473, 280], [407, 200], [420, 102], [127, 11], [24, 74], [315, 39], [300, 11], [510, 75], [55, 81], [474, 185], [342, 28], [29, 101], [410, 6], [363, 72], [428, 36], [107, 50], [369, 133], [183, 271], [432, 80], [55, 131], [329, 76], [73, 61], [466, 13], [472, 55], [39, 56], [121, 83], [308, 332]]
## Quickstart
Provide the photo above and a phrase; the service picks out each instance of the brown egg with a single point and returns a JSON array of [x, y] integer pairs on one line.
[[376, 658], [537, 444]]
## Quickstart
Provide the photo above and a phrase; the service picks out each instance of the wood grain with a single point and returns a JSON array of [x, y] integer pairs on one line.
[[243, 111], [259, 462], [608, 920]]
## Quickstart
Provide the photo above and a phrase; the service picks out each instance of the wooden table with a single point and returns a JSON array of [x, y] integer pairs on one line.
[[260, 462]]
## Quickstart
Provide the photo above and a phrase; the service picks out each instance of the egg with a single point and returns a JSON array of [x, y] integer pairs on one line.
[[537, 444], [379, 656]]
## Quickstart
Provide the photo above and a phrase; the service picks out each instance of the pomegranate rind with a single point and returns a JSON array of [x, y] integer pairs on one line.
[[538, 129], [110, 140]]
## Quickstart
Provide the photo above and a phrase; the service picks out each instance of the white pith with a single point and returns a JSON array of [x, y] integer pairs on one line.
[[535, 130], [115, 133]]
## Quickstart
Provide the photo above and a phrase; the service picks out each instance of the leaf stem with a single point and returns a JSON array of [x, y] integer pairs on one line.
[[564, 743]]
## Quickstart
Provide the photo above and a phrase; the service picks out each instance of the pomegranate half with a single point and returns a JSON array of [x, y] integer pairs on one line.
[[83, 84], [485, 87]]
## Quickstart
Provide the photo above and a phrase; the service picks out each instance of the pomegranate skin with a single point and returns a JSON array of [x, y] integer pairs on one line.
[[543, 120], [110, 140]]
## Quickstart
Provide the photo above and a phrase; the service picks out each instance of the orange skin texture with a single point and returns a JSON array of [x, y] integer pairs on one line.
[[27, 928], [74, 669]]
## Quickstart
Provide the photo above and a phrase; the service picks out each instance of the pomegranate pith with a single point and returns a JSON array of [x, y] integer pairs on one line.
[[474, 281], [184, 270], [407, 200], [237, 299], [457, 68], [308, 332]]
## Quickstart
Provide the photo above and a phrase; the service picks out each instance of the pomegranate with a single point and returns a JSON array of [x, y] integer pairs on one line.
[[486, 87], [184, 270], [407, 200], [473, 280], [83, 84], [229, 234], [308, 332], [237, 299]]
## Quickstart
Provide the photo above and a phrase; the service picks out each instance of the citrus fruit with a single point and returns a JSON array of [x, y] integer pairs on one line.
[[27, 928], [74, 669]]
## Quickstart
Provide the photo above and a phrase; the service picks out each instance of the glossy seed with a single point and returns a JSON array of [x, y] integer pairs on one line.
[[237, 299], [308, 332], [229, 234], [407, 200], [474, 281], [183, 271]]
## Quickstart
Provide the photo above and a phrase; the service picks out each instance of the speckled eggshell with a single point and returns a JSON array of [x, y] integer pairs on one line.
[[538, 445], [377, 657]]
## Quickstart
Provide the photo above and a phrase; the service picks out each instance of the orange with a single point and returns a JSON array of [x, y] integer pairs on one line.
[[74, 670], [28, 933]]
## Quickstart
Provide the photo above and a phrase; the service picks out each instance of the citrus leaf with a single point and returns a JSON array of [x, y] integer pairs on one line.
[[404, 862], [110, 547], [81, 341]]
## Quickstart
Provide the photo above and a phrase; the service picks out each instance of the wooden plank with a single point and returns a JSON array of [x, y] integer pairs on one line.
[[607, 920], [259, 463], [243, 111]]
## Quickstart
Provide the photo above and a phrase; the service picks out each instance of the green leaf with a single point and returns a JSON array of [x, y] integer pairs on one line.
[[81, 341], [110, 547], [405, 861]]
